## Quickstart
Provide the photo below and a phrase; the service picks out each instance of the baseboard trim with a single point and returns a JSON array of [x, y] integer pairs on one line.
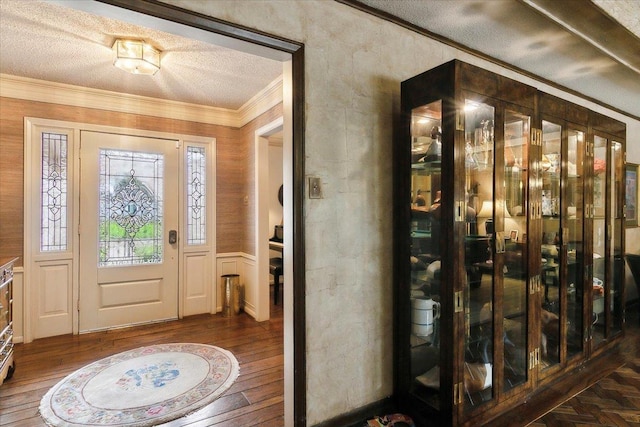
[[359, 416]]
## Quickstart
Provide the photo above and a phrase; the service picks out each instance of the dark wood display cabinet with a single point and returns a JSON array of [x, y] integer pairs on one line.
[[509, 221]]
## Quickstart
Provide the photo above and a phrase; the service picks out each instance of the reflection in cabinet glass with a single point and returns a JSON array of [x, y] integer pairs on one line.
[[551, 231], [573, 252], [517, 129], [479, 260]]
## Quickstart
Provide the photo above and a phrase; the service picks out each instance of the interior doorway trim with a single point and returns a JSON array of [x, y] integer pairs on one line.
[[292, 55], [262, 180]]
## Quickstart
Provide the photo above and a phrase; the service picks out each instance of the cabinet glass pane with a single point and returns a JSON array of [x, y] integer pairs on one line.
[[575, 245], [514, 300], [479, 178], [617, 217], [550, 265], [426, 148], [599, 237]]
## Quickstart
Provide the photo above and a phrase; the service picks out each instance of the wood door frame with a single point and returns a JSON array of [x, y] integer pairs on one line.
[[261, 149], [67, 262], [294, 296]]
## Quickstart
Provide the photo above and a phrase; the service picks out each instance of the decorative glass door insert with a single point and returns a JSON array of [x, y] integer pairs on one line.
[[196, 196], [130, 208], [128, 233], [53, 185]]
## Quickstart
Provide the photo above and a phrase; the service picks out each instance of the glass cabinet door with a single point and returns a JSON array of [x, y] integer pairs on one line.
[[574, 221], [426, 240], [600, 237], [550, 244], [514, 297], [481, 215], [616, 257]]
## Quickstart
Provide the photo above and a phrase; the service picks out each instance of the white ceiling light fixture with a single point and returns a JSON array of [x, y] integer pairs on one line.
[[136, 57]]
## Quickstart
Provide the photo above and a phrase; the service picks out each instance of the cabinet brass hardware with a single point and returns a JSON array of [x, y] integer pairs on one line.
[[535, 284], [458, 394], [532, 360], [500, 245], [461, 210], [536, 137], [458, 302], [459, 120], [539, 210]]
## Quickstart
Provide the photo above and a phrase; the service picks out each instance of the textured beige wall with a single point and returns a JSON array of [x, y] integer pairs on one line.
[[354, 65]]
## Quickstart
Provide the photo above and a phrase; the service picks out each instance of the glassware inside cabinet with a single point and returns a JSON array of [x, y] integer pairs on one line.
[[480, 216], [426, 155], [551, 250]]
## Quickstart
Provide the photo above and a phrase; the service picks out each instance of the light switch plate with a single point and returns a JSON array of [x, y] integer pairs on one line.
[[315, 188]]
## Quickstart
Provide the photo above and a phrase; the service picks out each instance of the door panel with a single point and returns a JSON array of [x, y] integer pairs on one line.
[[128, 268]]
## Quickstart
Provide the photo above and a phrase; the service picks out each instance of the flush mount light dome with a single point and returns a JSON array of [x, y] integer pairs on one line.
[[136, 57]]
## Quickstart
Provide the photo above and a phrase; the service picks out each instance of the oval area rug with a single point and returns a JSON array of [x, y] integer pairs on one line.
[[141, 387]]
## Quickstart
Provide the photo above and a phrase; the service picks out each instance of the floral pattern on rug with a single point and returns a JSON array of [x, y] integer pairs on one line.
[[149, 376], [141, 387]]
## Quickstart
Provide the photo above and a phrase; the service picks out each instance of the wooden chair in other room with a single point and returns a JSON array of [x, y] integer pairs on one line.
[[275, 269]]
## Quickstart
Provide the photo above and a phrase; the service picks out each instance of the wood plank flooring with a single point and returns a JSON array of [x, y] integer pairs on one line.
[[256, 398], [612, 401]]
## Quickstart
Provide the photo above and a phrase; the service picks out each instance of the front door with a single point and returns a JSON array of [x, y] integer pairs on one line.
[[128, 222]]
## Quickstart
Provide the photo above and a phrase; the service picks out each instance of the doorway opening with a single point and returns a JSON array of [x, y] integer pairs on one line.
[[291, 54]]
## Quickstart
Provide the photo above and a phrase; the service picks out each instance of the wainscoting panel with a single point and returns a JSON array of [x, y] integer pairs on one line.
[[250, 288], [243, 265], [54, 298], [197, 283]]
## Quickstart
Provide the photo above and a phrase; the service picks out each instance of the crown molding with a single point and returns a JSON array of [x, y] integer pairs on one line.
[[262, 102], [78, 96]]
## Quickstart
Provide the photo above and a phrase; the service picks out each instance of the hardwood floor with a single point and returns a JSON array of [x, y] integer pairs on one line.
[[612, 401], [256, 398]]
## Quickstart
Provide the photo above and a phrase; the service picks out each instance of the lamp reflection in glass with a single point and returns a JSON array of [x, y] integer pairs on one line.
[[136, 57], [486, 211]]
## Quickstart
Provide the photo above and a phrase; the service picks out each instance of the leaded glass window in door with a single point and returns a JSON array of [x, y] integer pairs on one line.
[[53, 185], [196, 196], [130, 208]]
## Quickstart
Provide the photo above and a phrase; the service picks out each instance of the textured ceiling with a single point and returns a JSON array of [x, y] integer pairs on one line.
[[571, 43], [626, 12], [556, 40], [63, 45]]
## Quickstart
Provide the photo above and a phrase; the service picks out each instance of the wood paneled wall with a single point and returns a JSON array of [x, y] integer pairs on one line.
[[235, 161]]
